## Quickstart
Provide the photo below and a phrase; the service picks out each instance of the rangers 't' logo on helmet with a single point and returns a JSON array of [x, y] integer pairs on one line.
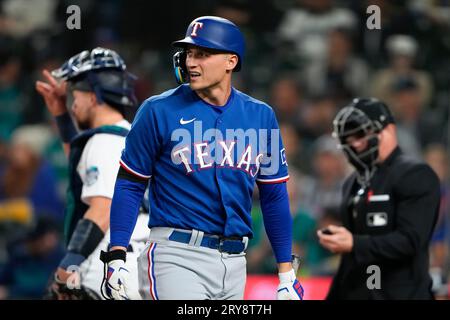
[[195, 28]]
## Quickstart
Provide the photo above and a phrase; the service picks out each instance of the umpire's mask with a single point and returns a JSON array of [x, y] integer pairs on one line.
[[362, 120]]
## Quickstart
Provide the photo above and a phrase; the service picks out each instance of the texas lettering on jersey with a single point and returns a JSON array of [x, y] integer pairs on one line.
[[238, 150]]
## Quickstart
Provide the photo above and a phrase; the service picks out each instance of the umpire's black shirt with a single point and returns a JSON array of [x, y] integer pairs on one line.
[[391, 221]]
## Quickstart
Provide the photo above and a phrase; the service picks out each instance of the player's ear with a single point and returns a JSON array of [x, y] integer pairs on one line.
[[232, 61], [93, 99]]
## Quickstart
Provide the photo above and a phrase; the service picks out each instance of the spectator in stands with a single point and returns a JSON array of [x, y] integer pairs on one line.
[[395, 17], [22, 18], [319, 111], [329, 170], [286, 96], [341, 74], [293, 146], [307, 26], [12, 100], [32, 259], [412, 118], [402, 50], [26, 179]]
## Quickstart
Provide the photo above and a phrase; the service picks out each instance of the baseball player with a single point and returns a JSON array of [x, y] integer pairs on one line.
[[202, 145], [102, 93]]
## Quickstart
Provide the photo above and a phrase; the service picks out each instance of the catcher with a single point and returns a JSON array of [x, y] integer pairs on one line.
[[100, 91]]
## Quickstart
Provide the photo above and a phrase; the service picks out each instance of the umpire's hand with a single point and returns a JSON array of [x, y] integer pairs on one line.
[[339, 241]]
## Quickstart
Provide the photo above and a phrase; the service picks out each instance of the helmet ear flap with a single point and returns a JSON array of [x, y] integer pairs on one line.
[[179, 66]]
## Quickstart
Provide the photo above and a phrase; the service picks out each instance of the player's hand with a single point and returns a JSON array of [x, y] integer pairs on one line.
[[67, 286], [54, 94], [289, 287], [117, 280], [59, 288]]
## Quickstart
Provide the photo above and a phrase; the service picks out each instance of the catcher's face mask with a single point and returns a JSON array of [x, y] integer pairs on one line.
[[358, 138]]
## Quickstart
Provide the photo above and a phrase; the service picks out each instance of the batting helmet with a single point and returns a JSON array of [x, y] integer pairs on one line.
[[362, 118], [213, 33], [102, 71]]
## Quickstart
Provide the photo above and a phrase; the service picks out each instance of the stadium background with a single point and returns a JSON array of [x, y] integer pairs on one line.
[[307, 58]]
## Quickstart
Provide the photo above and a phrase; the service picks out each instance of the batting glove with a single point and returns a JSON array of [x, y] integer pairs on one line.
[[116, 275], [289, 287]]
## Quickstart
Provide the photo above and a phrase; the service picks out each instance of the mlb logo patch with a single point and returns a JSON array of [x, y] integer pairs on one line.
[[377, 219]]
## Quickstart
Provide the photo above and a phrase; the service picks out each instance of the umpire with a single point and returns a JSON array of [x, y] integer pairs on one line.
[[390, 206]]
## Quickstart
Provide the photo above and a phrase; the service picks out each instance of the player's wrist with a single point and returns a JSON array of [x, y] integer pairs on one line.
[[117, 248], [59, 110], [287, 277], [66, 128], [71, 259], [56, 105], [284, 267]]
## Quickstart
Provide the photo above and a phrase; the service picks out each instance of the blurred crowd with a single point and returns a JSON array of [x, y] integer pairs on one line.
[[306, 58]]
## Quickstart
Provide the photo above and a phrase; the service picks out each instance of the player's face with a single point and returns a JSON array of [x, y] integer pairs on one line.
[[208, 69], [82, 108]]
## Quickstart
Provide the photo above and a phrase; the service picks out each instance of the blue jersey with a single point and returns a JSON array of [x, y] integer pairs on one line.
[[204, 160]]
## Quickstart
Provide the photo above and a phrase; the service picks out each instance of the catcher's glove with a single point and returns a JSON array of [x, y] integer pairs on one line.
[[58, 290]]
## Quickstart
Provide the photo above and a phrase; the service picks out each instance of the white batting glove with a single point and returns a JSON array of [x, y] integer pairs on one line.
[[116, 280], [115, 275], [289, 287]]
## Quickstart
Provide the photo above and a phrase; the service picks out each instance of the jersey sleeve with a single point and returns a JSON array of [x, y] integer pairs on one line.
[[142, 143], [98, 172], [274, 167]]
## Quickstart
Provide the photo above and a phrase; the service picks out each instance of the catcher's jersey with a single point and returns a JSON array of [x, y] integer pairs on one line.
[[203, 160], [98, 164], [91, 173]]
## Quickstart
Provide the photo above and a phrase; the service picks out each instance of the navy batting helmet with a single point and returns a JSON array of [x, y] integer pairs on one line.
[[213, 33], [102, 71]]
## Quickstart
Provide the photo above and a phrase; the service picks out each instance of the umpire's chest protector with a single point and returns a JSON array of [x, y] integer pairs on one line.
[[372, 210]]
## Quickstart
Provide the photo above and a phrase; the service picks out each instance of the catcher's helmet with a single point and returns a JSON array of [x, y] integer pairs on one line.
[[362, 118], [102, 71], [213, 33]]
